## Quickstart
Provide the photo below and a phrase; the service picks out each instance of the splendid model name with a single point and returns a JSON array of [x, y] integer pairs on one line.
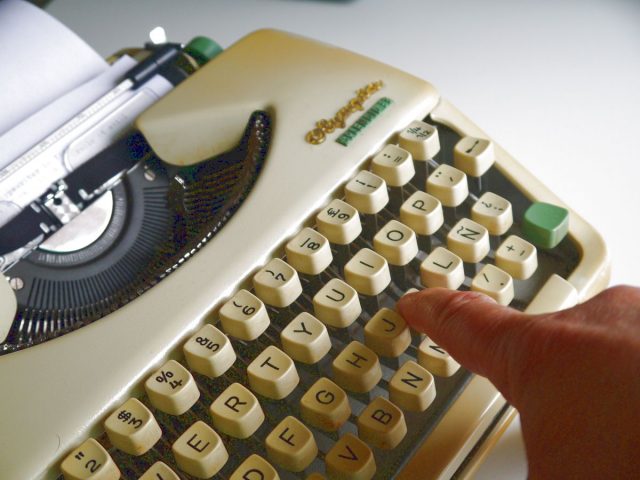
[[326, 126]]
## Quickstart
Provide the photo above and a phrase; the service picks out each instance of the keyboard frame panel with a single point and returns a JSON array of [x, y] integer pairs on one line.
[[73, 373]]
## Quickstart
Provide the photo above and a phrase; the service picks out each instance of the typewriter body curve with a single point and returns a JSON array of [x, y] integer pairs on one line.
[[57, 393], [72, 380]]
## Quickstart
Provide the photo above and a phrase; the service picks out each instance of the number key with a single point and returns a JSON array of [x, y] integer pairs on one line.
[[339, 222], [209, 352], [172, 389], [244, 316], [132, 428], [309, 252], [89, 461], [277, 283]]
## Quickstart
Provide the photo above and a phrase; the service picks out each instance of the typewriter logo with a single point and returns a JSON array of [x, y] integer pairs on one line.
[[326, 126]]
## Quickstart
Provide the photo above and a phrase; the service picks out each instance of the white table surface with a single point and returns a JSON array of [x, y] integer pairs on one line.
[[555, 83]]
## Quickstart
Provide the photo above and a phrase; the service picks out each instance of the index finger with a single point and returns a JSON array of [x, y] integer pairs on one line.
[[476, 331]]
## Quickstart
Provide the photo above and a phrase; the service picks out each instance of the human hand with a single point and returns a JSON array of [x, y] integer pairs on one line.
[[574, 375]]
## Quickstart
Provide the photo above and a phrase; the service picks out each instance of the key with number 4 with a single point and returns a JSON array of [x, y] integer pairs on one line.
[[172, 389]]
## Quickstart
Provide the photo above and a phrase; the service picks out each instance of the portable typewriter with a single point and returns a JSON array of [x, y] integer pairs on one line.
[[213, 292]]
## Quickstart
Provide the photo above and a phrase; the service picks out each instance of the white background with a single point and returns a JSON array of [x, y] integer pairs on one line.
[[557, 83]]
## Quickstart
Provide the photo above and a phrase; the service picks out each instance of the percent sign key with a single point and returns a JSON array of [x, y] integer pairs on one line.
[[165, 376], [172, 389]]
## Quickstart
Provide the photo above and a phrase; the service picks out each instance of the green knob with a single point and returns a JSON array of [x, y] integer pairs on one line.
[[545, 225], [202, 49]]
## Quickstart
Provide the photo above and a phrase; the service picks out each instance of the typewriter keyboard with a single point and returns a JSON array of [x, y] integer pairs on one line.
[[308, 371]]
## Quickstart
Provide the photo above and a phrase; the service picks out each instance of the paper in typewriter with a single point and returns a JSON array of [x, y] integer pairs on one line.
[[40, 61]]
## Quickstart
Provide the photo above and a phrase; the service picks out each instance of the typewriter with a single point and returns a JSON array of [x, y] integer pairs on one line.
[[213, 292]]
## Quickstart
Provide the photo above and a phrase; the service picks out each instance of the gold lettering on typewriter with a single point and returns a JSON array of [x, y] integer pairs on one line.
[[324, 126]]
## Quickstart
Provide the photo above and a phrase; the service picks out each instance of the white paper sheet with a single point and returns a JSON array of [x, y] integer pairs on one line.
[[30, 131], [40, 60]]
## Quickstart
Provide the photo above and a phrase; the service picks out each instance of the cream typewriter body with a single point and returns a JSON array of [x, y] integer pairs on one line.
[[59, 393]]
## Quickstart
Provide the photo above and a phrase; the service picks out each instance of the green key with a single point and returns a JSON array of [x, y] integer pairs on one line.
[[545, 225], [202, 49]]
